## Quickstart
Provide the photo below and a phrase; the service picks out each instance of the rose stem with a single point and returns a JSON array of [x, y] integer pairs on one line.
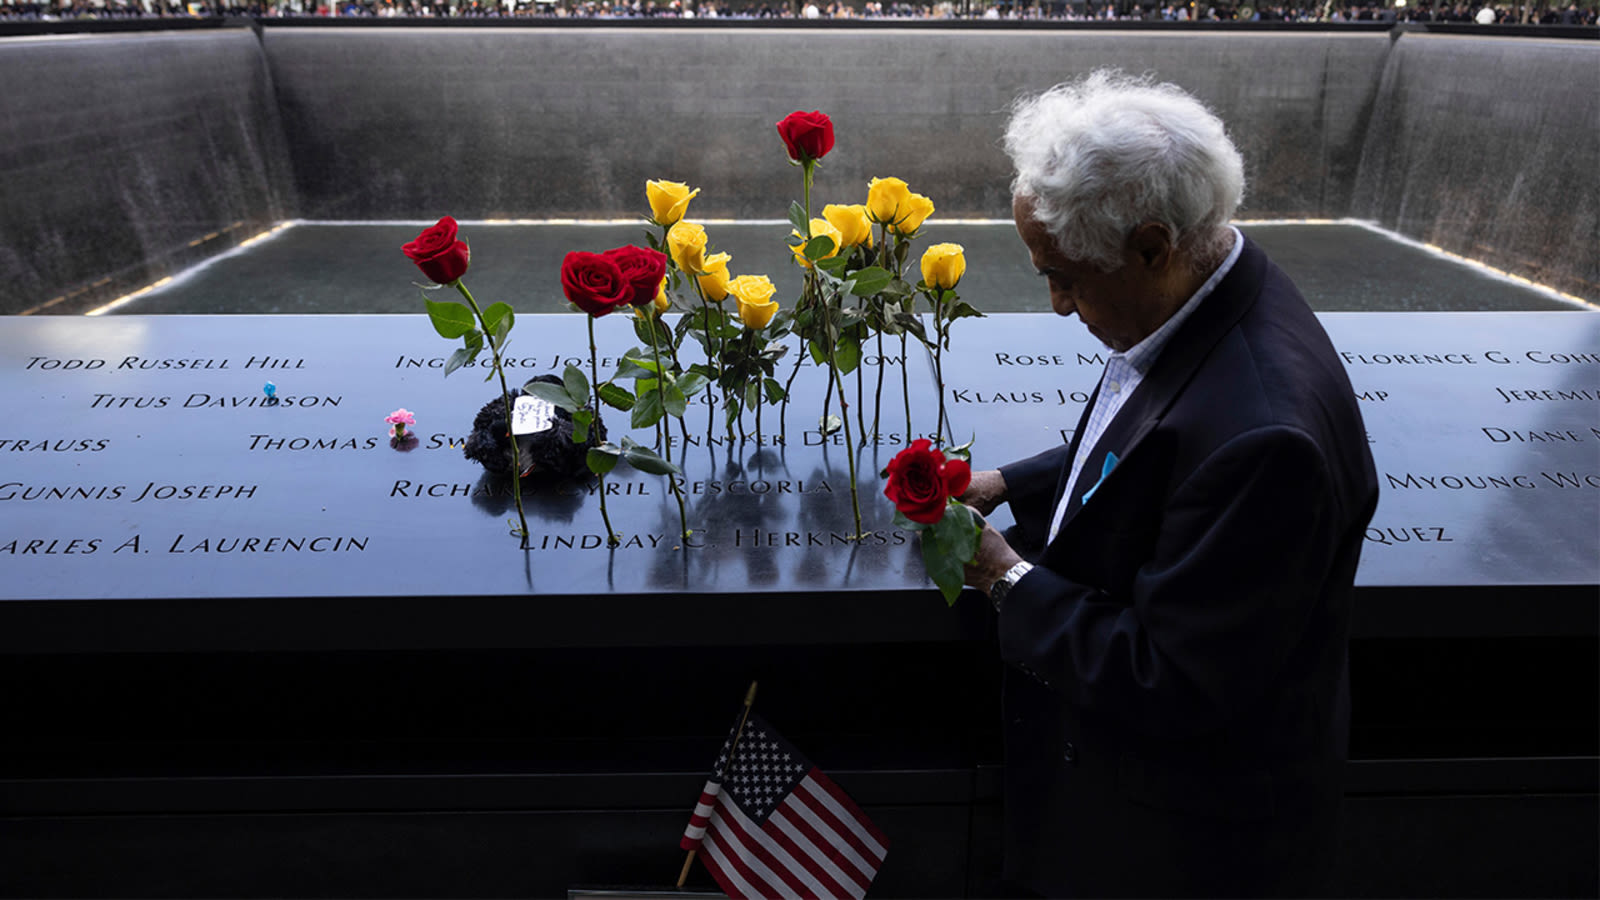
[[844, 415], [788, 388], [505, 397], [861, 422], [661, 391], [672, 349], [877, 401], [612, 538], [905, 386], [713, 365], [722, 356], [677, 367], [938, 360]]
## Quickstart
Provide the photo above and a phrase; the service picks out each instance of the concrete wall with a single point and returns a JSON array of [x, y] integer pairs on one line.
[[131, 155], [572, 122], [1491, 149], [127, 157]]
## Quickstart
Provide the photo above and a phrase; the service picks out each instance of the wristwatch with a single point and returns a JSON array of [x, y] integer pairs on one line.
[[1001, 588]]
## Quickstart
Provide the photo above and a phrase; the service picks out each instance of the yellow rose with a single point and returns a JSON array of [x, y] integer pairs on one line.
[[668, 200], [852, 221], [687, 243], [885, 196], [943, 265], [819, 228], [913, 212], [714, 277], [754, 293]]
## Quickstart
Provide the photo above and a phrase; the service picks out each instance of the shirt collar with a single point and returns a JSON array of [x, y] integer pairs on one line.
[[1142, 356]]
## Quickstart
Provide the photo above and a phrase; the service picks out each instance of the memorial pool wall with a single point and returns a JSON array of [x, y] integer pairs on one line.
[[127, 157]]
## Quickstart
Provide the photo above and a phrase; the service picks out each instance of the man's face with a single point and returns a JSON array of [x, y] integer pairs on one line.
[[1110, 304]]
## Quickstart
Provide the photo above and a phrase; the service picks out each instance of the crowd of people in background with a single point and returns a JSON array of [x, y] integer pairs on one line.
[[1482, 13]]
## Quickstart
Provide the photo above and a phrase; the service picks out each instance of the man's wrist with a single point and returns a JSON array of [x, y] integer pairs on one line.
[[1003, 585]]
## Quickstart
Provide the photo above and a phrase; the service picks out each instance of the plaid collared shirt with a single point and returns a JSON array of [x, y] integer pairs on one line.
[[1125, 371]]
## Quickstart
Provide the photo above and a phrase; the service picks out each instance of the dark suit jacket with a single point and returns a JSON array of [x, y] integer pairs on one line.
[[1177, 706]]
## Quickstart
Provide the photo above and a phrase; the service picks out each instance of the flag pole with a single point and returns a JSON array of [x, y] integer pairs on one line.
[[749, 700]]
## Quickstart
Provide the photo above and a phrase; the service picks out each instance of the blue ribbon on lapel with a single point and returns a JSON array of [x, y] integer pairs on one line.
[[1105, 469]]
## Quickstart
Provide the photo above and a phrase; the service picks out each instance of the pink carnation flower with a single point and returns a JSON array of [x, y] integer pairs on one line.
[[402, 416]]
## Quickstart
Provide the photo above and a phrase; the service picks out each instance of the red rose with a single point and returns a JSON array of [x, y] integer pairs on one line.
[[594, 283], [920, 479], [643, 268], [438, 254], [808, 135], [957, 475]]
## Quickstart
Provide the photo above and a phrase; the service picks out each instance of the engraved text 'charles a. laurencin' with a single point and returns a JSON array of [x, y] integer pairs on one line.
[[186, 543]]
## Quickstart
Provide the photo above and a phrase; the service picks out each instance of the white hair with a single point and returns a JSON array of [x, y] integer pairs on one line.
[[1102, 155]]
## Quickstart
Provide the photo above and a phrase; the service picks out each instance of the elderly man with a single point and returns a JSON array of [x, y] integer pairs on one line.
[[1176, 701]]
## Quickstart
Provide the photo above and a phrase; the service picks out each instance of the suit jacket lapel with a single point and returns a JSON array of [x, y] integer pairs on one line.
[[1188, 348], [1073, 448]]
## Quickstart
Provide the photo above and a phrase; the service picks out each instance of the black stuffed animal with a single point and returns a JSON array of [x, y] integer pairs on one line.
[[549, 452]]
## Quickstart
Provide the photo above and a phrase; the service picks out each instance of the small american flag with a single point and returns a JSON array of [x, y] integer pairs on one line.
[[770, 824]]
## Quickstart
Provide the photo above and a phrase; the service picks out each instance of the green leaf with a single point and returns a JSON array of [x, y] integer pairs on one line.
[[644, 327], [956, 533], [831, 424], [834, 265], [616, 396], [819, 247], [871, 280], [797, 218], [461, 357], [912, 324], [964, 310], [946, 572], [581, 420], [898, 288], [775, 393], [577, 384], [673, 402], [630, 367], [497, 320], [752, 394], [554, 394], [602, 459], [847, 355], [817, 356], [647, 412], [451, 320], [663, 334], [645, 460], [692, 382]]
